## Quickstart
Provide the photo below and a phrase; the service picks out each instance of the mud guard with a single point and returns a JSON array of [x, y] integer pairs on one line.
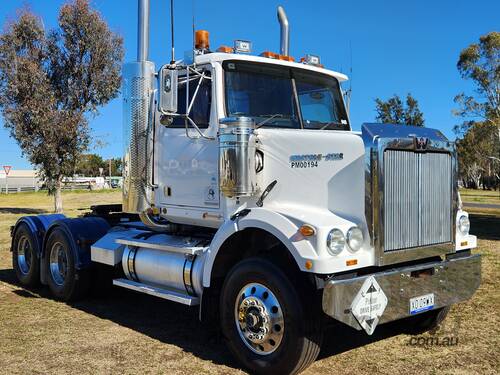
[[81, 233]]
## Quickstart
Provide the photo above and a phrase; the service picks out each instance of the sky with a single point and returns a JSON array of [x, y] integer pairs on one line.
[[386, 47]]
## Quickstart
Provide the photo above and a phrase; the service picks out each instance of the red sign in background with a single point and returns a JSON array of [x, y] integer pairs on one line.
[[7, 169]]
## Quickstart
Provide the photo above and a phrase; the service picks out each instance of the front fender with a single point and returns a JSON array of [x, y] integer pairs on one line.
[[270, 221]]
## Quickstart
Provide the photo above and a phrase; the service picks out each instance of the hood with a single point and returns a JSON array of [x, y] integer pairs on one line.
[[318, 173]]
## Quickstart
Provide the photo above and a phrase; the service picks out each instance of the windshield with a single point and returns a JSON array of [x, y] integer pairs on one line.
[[278, 96]]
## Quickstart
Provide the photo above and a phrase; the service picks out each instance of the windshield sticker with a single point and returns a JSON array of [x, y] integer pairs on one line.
[[312, 160]]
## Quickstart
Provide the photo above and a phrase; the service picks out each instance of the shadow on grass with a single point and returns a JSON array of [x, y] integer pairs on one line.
[[340, 338], [22, 210], [484, 226], [159, 319], [178, 325]]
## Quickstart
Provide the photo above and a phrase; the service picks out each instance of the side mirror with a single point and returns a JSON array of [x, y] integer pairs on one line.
[[168, 90]]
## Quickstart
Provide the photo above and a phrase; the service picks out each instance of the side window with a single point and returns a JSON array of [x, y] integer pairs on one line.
[[200, 110], [316, 104]]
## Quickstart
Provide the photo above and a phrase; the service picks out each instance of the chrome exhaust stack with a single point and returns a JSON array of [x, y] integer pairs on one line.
[[143, 31], [284, 31]]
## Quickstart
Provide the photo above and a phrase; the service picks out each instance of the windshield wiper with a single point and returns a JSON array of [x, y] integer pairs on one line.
[[331, 123], [270, 117]]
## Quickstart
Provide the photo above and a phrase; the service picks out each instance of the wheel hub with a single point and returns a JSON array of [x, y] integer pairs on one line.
[[24, 255], [58, 263], [259, 318]]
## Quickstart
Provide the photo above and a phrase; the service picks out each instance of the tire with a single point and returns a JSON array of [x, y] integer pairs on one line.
[[65, 282], [25, 259], [294, 340], [427, 321]]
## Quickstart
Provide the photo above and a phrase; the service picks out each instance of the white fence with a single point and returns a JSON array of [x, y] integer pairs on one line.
[[30, 184]]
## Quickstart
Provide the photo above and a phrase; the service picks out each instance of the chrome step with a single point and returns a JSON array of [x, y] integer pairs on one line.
[[171, 295], [181, 248]]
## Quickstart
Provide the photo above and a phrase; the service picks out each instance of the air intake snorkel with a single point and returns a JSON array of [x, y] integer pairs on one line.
[[138, 123]]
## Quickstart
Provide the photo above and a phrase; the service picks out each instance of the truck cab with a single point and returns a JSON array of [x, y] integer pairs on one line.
[[247, 193]]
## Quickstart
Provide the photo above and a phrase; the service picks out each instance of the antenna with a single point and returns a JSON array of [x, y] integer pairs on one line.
[[172, 30], [193, 29], [349, 91]]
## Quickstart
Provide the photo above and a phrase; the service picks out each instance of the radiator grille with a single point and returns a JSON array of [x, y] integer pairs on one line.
[[417, 199]]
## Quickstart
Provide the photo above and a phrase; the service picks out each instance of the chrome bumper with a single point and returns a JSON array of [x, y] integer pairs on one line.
[[451, 281]]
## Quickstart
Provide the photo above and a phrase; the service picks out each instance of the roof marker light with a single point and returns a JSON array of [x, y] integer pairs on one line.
[[225, 49], [269, 54], [285, 58]]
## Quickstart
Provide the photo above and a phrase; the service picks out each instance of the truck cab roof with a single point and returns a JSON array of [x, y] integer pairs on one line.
[[220, 57]]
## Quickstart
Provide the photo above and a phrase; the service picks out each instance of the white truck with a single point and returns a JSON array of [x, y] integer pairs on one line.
[[247, 194]]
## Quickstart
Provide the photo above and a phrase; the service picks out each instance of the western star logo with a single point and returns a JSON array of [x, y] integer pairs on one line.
[[421, 143]]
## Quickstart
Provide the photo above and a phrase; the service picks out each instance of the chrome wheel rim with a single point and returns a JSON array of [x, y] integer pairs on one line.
[[259, 318], [58, 263], [24, 255]]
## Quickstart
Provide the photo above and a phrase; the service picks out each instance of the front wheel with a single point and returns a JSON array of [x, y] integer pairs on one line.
[[269, 325]]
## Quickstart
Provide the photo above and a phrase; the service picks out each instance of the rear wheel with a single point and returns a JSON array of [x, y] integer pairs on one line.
[[65, 281], [24, 257], [268, 324]]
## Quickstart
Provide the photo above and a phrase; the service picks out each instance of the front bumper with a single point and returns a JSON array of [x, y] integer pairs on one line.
[[451, 281]]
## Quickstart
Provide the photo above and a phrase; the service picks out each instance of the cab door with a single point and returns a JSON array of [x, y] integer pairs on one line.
[[187, 162]]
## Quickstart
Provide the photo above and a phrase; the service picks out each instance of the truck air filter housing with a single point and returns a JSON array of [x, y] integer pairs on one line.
[[237, 157]]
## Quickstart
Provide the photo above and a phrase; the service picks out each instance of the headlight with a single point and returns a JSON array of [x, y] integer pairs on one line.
[[335, 241], [464, 225], [354, 238]]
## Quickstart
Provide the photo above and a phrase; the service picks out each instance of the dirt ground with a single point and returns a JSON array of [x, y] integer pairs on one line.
[[124, 332]]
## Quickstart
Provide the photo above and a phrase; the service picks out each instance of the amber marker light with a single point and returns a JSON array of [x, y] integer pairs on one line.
[[225, 49], [351, 262], [307, 230], [285, 58], [309, 264], [201, 38], [464, 243], [269, 54]]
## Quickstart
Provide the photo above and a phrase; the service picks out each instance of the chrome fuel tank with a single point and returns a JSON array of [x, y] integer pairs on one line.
[[173, 270]]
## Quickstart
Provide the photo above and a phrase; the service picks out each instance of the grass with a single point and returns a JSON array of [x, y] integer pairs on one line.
[[480, 196], [123, 332]]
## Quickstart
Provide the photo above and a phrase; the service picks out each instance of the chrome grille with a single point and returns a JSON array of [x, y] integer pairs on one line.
[[417, 199]]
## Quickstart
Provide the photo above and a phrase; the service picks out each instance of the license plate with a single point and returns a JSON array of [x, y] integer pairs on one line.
[[421, 303]]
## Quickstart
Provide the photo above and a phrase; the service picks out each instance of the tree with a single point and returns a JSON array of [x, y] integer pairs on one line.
[[116, 166], [89, 164], [393, 111], [50, 82], [475, 166], [480, 62]]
